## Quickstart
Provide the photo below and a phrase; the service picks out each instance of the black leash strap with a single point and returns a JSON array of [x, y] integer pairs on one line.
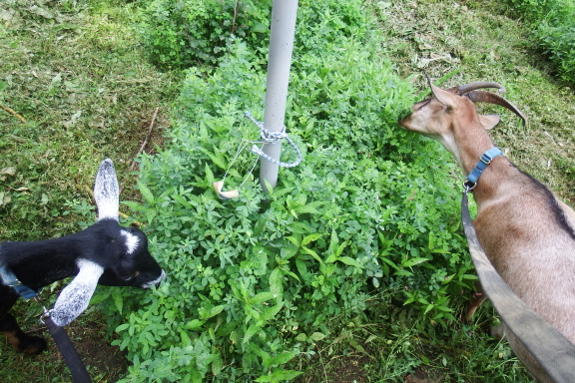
[[548, 346], [66, 348]]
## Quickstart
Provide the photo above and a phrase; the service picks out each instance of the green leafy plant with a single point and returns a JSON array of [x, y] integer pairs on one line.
[[255, 281], [179, 34], [557, 43], [532, 10], [553, 31]]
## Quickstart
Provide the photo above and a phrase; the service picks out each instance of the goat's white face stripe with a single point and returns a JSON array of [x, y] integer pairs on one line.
[[107, 191], [132, 241], [75, 297]]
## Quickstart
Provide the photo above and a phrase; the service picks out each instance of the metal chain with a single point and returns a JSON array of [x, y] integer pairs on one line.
[[45, 312], [267, 138], [271, 138]]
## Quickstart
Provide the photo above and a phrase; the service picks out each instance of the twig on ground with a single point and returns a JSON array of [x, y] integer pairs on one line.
[[133, 165], [42, 328], [90, 192], [12, 112]]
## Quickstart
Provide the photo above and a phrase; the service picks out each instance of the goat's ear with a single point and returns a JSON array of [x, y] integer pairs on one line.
[[489, 121], [443, 96], [75, 297], [107, 191]]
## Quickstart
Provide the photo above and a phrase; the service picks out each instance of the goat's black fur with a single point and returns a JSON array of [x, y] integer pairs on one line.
[[559, 214], [104, 253], [40, 263]]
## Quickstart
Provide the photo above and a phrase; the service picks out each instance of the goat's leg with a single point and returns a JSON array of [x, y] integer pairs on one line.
[[21, 342], [478, 298]]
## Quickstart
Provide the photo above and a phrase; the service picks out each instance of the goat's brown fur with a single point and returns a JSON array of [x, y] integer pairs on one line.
[[527, 234]]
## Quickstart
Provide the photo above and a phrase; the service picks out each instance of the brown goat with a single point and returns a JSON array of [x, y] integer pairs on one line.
[[527, 234]]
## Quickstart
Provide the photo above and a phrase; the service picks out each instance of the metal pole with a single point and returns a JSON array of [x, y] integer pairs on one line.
[[284, 13]]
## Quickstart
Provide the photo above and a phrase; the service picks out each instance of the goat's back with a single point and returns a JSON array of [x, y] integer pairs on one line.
[[529, 237]]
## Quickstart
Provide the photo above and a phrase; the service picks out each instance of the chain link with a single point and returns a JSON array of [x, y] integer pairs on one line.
[[271, 138]]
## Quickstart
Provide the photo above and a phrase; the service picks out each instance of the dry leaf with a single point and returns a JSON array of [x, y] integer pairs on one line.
[[9, 171]]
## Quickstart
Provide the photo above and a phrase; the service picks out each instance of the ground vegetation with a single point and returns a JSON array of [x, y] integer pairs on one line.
[[353, 268]]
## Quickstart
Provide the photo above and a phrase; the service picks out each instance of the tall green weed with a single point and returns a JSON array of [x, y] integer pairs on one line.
[[553, 25], [257, 281], [558, 44], [182, 33]]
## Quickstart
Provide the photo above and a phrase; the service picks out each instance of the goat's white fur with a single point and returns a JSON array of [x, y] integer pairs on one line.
[[132, 241], [107, 191], [75, 297], [149, 285]]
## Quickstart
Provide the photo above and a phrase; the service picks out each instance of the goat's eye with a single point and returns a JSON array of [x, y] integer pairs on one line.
[[134, 274], [424, 103]]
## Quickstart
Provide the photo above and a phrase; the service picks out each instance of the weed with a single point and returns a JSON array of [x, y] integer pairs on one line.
[[180, 34], [254, 282], [553, 31]]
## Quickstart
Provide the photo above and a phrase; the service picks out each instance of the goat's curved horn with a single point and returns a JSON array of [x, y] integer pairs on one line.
[[463, 89], [492, 98]]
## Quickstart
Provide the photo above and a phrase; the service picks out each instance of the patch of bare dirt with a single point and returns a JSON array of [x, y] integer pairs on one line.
[[101, 358], [341, 369], [418, 377]]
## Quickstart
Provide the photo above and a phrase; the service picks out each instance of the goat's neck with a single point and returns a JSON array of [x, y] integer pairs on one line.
[[470, 155], [467, 147], [41, 263]]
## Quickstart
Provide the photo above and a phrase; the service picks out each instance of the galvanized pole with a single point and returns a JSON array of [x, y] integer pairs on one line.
[[284, 13]]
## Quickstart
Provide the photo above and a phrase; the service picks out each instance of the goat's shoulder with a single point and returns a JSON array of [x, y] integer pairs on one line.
[[521, 207]]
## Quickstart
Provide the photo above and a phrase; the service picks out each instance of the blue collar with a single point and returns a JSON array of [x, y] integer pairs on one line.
[[9, 279], [485, 160]]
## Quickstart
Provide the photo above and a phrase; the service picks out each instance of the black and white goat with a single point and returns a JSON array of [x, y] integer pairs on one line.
[[104, 253]]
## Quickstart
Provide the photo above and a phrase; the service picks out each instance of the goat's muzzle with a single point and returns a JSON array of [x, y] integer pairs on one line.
[[156, 282]]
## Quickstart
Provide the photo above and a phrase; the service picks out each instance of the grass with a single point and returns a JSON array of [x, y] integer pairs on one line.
[[75, 74], [85, 90], [105, 363], [397, 344]]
